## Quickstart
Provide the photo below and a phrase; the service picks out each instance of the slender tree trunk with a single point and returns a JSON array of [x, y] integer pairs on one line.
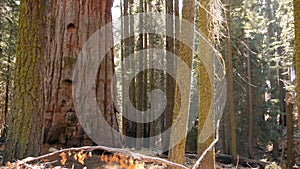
[[139, 86], [170, 81], [228, 49], [250, 124], [151, 85], [132, 67], [25, 134], [123, 53], [128, 126], [7, 86], [290, 130], [145, 84], [176, 31], [223, 135], [297, 53], [179, 129]]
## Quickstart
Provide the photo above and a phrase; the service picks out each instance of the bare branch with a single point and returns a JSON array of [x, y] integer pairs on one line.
[[208, 148]]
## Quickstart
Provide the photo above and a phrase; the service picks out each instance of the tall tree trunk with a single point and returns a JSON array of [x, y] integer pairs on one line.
[[170, 81], [139, 86], [7, 86], [250, 104], [297, 53], [123, 53], [151, 85], [25, 132], [290, 130], [232, 135], [145, 84], [105, 77], [132, 90], [70, 24], [128, 126], [180, 119], [205, 94]]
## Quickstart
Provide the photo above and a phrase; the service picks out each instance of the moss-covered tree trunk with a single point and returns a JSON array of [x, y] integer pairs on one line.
[[205, 94], [181, 100], [70, 24], [297, 54], [24, 136]]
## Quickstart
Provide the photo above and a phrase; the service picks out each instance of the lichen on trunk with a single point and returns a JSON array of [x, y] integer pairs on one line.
[[24, 136]]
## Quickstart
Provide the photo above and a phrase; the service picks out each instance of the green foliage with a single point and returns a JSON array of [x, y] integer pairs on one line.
[[8, 33], [264, 31]]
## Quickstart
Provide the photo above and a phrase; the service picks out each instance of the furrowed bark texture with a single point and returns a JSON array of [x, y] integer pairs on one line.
[[24, 136], [70, 24], [180, 114], [205, 93]]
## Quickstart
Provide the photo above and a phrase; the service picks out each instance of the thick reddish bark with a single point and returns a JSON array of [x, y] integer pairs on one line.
[[70, 24]]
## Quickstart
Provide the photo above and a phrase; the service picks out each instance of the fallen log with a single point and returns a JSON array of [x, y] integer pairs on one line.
[[246, 162], [122, 152]]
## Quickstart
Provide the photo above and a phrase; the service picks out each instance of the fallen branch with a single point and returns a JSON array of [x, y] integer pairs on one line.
[[124, 152], [208, 148]]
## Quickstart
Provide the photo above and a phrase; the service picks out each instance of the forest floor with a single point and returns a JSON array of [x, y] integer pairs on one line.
[[99, 159], [58, 156]]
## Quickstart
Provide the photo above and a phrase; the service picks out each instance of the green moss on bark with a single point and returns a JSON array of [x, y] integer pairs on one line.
[[26, 121]]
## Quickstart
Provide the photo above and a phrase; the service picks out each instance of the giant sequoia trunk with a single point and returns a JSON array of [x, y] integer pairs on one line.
[[43, 76], [70, 24], [24, 136]]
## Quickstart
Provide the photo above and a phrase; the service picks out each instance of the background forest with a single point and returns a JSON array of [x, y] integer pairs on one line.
[[256, 45]]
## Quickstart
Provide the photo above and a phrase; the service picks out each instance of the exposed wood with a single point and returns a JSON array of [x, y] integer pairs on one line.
[[123, 152]]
